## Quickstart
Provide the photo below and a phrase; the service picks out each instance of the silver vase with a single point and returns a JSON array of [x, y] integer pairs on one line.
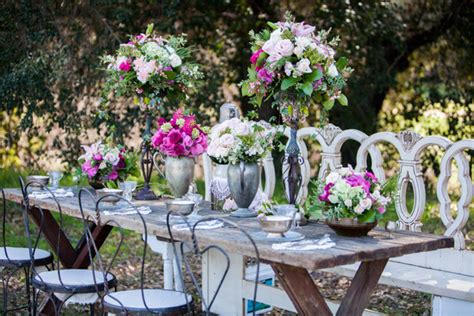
[[179, 172], [243, 179]]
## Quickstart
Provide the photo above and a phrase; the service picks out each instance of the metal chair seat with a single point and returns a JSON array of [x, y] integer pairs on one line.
[[20, 257], [157, 301], [73, 281]]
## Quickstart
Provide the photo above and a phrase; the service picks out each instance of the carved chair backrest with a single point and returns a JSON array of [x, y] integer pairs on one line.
[[410, 147]]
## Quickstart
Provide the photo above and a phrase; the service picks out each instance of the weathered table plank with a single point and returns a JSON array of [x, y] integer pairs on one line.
[[347, 250]]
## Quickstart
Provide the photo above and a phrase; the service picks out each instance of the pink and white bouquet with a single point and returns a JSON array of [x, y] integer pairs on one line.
[[237, 140], [294, 64], [348, 194], [103, 163], [180, 137], [150, 67]]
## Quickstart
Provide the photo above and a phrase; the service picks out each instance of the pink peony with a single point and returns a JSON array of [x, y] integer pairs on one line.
[[325, 196], [90, 170], [254, 57]]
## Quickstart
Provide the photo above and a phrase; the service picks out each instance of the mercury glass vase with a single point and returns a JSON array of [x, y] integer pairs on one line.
[[243, 179], [179, 172]]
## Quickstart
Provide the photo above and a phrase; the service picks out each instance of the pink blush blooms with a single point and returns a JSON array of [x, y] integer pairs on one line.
[[180, 137], [125, 66], [265, 75], [105, 163], [254, 57]]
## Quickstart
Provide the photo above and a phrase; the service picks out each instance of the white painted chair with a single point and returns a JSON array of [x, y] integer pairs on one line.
[[448, 274]]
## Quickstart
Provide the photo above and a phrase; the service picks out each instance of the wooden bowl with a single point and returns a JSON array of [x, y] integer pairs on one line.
[[349, 227]]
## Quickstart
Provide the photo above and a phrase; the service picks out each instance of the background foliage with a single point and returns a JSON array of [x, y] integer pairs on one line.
[[408, 56]]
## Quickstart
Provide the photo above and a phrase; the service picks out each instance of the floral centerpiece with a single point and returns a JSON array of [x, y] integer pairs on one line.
[[151, 69], [241, 144], [181, 140], [297, 66], [103, 164], [235, 140], [357, 197]]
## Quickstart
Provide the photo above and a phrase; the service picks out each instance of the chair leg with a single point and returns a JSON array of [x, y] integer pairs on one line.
[[28, 289], [91, 309]]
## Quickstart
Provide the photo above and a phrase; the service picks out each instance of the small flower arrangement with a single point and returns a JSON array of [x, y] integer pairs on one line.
[[104, 163], [294, 64], [237, 140], [149, 67], [180, 137], [349, 194]]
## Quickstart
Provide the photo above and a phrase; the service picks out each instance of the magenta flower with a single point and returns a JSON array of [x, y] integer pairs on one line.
[[265, 75], [381, 210], [113, 175], [254, 57], [125, 66], [97, 157], [325, 196], [90, 170]]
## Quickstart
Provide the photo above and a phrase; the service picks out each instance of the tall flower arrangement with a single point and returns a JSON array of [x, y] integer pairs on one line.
[[295, 64], [150, 67]]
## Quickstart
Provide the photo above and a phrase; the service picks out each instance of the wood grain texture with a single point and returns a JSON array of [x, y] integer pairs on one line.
[[300, 287], [363, 283], [347, 250]]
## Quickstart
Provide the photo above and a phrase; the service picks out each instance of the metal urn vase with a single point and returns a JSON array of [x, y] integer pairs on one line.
[[243, 179], [179, 172]]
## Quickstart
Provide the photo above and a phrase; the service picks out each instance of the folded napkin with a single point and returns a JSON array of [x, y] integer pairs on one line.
[[202, 225], [41, 195], [310, 244], [129, 211]]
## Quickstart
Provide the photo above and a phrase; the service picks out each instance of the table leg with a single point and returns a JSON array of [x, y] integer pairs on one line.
[[300, 287], [363, 283]]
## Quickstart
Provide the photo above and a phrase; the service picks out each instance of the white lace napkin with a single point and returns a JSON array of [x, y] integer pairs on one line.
[[202, 225], [41, 195], [129, 211], [309, 244]]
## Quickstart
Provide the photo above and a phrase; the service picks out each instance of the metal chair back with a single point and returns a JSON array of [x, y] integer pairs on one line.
[[190, 242]]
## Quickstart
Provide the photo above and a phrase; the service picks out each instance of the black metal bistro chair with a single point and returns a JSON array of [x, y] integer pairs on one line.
[[15, 259], [62, 286], [145, 301], [136, 301]]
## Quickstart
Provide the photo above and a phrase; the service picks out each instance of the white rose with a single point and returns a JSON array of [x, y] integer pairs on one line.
[[284, 47], [303, 66], [276, 35], [113, 158], [299, 50], [332, 177], [358, 209], [302, 41], [241, 129], [332, 71], [269, 46], [348, 203], [365, 204], [274, 57], [333, 199], [103, 165], [227, 140], [175, 60], [288, 68]]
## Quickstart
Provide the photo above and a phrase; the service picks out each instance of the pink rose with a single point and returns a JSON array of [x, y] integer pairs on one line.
[[265, 75], [174, 136]]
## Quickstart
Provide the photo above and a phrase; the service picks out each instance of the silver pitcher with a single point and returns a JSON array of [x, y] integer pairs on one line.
[[243, 179], [179, 173]]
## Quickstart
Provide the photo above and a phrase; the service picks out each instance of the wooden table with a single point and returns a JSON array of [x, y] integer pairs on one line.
[[291, 267]]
